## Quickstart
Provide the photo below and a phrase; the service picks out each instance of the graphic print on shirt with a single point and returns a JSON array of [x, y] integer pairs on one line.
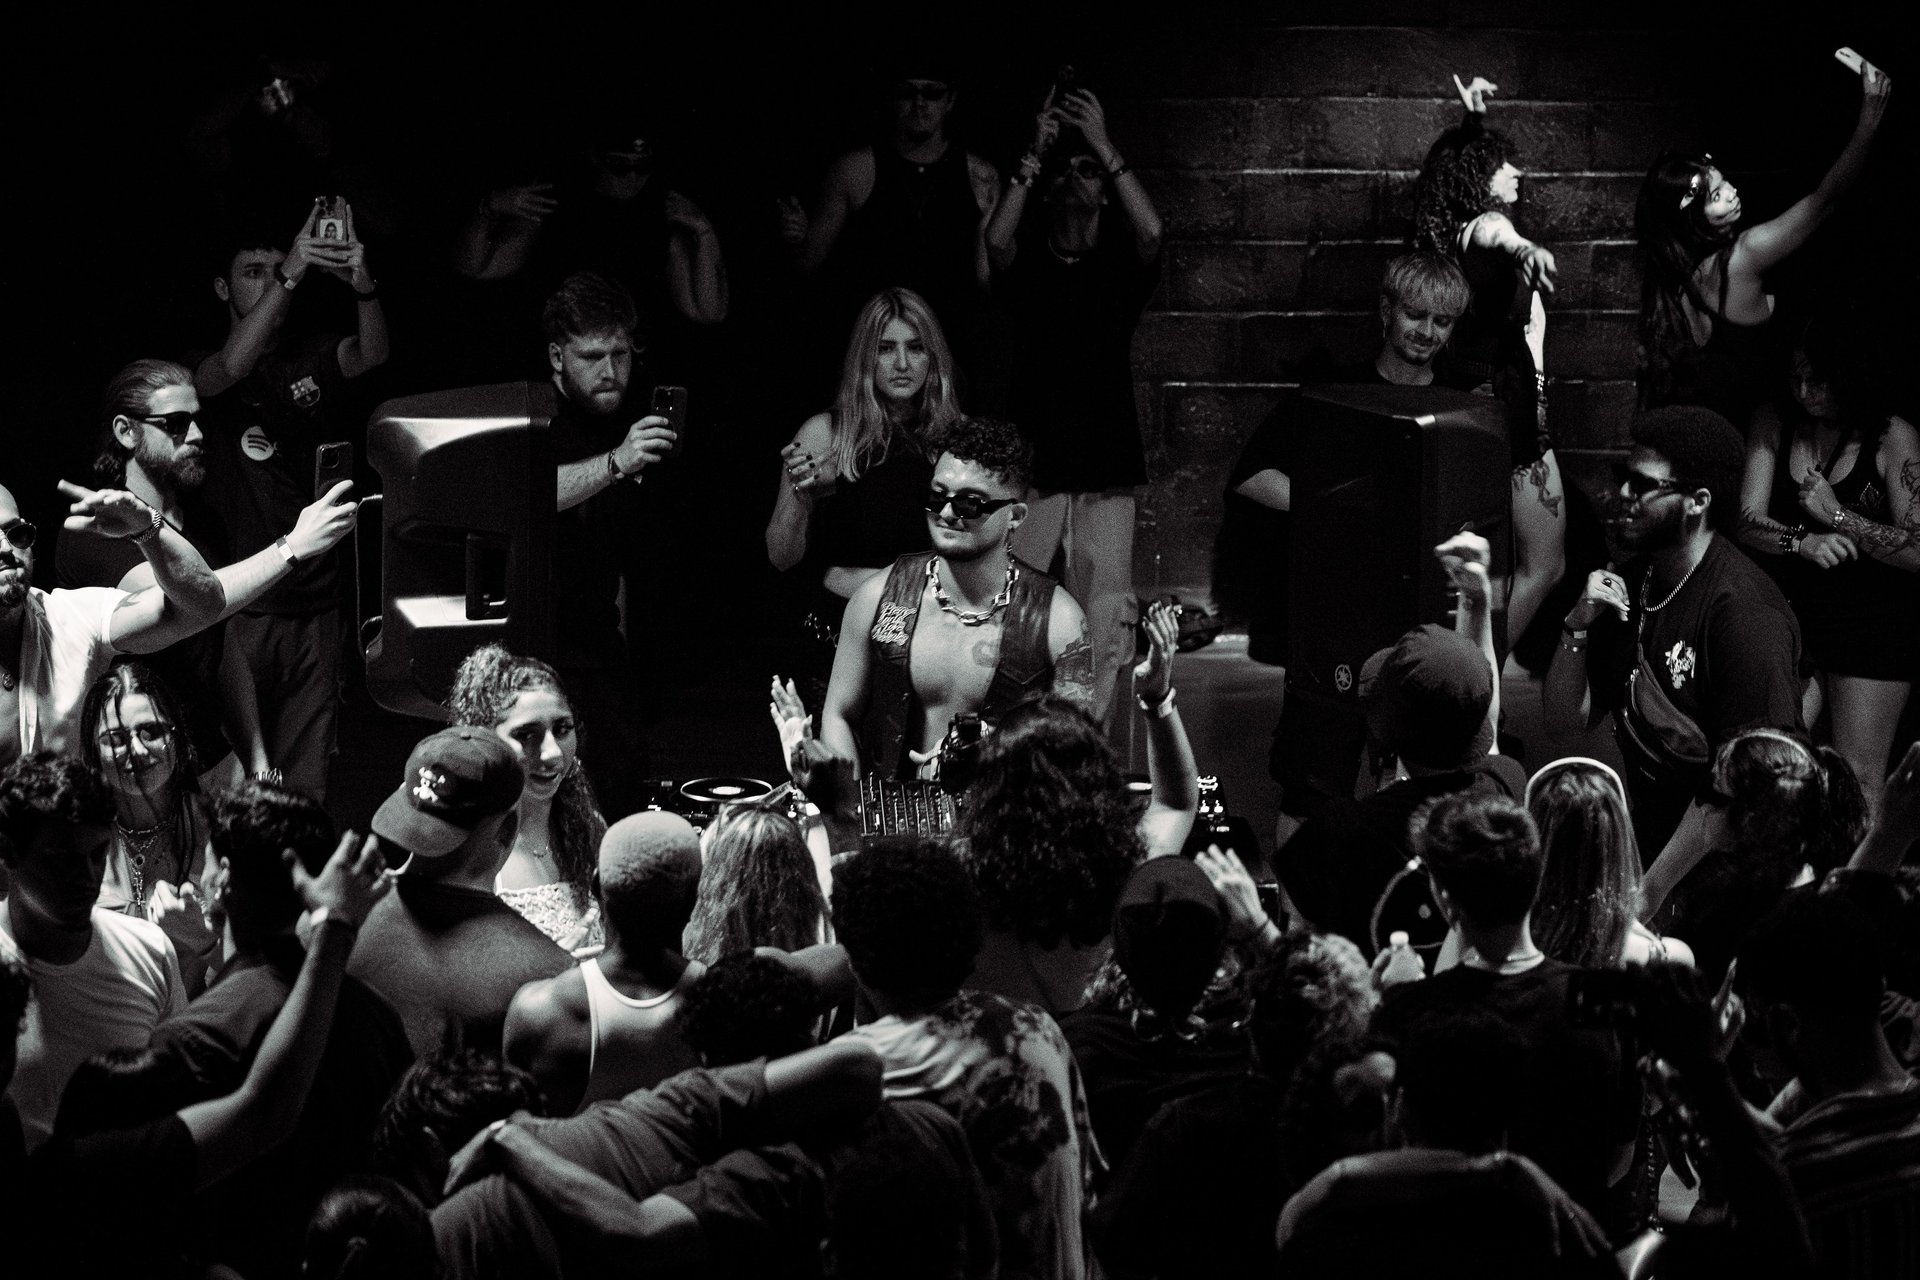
[[1680, 661], [305, 392], [257, 444], [891, 626]]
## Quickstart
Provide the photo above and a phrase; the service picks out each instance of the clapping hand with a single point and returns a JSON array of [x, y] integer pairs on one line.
[[1153, 674], [111, 513]]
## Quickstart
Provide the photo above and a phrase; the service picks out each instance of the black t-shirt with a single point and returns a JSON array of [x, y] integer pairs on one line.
[[589, 540], [1338, 867], [109, 1204], [1198, 1195], [1725, 650], [190, 667], [1580, 1091], [262, 434], [1073, 323], [449, 959], [1129, 1078], [1250, 556]]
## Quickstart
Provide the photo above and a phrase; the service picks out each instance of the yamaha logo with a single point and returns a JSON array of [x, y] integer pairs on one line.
[[1343, 677]]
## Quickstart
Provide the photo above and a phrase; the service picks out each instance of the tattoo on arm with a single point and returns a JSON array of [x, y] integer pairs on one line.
[[1073, 670], [1875, 539], [1540, 477], [1910, 481]]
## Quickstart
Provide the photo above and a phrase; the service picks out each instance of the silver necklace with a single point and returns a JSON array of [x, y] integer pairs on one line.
[[137, 850], [1648, 581], [968, 619]]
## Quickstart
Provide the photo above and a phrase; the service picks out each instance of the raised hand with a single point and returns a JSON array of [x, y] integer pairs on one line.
[[1153, 675], [1467, 557], [1083, 111], [1246, 918], [1046, 126], [354, 878], [1473, 96], [111, 513], [323, 523], [1876, 86], [790, 718], [533, 202], [1538, 270]]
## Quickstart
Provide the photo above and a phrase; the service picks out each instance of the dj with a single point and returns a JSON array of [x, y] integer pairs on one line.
[[964, 628]]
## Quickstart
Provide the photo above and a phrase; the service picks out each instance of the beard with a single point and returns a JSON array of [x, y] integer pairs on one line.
[[603, 402], [1640, 538], [174, 470], [13, 586]]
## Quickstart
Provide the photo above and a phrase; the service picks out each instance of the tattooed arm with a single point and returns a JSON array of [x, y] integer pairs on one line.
[[1071, 643], [1539, 542], [1896, 543]]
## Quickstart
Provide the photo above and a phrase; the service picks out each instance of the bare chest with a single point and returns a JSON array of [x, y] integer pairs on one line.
[[952, 664]]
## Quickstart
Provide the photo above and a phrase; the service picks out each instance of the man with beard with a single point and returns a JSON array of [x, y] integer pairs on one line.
[[589, 324], [55, 644], [152, 446], [273, 394], [1692, 642], [964, 628]]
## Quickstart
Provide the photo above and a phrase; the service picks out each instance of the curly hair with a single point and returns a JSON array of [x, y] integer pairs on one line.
[[1704, 450], [1050, 829], [47, 785], [129, 394], [747, 1006], [1311, 987], [993, 444], [908, 913], [862, 430], [179, 797], [758, 886], [1485, 852], [1672, 240], [453, 1096], [484, 690], [1590, 885], [587, 303], [1456, 184]]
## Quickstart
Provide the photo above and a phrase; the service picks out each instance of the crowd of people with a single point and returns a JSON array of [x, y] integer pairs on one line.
[[1462, 1017]]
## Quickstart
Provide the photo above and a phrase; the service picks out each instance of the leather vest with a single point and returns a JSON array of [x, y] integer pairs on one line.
[[1025, 667]]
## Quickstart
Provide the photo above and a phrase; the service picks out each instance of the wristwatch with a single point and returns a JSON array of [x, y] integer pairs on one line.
[[285, 549], [152, 531]]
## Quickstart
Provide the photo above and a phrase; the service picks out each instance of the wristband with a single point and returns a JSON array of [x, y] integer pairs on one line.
[[1114, 174], [285, 549], [152, 531], [370, 295], [1160, 710], [614, 474], [327, 915], [285, 281], [1574, 633], [272, 777]]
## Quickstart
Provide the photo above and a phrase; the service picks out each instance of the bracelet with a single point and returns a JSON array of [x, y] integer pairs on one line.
[[327, 915], [614, 474], [285, 281], [1030, 164], [285, 549], [1022, 179], [1573, 633], [369, 295], [1114, 174], [1160, 710], [152, 531], [1571, 645]]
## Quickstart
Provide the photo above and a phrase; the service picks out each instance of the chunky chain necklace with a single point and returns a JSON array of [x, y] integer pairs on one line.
[[1648, 581], [985, 615], [139, 843]]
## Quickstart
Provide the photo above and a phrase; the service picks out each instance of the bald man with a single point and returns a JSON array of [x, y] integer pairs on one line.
[[611, 1024]]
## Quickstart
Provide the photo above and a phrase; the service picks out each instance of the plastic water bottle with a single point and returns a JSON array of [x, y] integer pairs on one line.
[[1403, 962]]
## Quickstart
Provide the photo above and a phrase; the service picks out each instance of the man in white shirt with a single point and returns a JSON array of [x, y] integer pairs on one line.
[[101, 980], [53, 645]]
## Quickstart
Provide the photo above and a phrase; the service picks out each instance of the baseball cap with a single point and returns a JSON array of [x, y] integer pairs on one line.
[[1426, 698], [455, 780], [1168, 932]]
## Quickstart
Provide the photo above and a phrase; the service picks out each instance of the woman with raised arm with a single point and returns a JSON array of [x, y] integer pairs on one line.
[[1464, 204], [1831, 496], [547, 878], [1703, 302], [856, 477]]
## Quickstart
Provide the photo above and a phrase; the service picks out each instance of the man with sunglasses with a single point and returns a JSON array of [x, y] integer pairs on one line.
[[909, 211], [1691, 642], [963, 629], [54, 644]]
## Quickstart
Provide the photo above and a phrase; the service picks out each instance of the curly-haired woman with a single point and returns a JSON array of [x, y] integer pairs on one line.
[[547, 877]]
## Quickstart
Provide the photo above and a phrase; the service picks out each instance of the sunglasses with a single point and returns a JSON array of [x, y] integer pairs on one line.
[[175, 424], [968, 506], [1638, 484], [152, 734], [19, 534]]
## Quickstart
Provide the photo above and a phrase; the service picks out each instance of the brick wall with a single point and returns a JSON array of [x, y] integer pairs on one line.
[[1283, 159]]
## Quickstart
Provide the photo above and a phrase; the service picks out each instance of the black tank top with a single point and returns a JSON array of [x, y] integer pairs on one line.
[[919, 230]]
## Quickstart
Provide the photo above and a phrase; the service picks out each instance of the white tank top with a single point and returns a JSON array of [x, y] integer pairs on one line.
[[636, 1043]]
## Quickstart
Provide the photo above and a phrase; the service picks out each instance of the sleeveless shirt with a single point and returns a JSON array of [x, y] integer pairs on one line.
[[636, 1043]]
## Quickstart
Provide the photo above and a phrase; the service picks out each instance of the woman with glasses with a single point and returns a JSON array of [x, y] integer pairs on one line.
[[849, 502], [548, 875], [157, 859], [1703, 302]]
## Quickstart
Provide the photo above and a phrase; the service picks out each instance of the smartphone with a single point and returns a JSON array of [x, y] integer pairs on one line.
[[671, 403], [1065, 81], [1602, 998], [332, 463], [1848, 59], [332, 222]]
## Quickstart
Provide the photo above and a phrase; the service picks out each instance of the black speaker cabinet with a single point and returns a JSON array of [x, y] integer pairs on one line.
[[466, 536], [1383, 474]]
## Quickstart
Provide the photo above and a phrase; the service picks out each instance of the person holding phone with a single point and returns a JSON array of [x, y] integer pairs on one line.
[[269, 398]]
